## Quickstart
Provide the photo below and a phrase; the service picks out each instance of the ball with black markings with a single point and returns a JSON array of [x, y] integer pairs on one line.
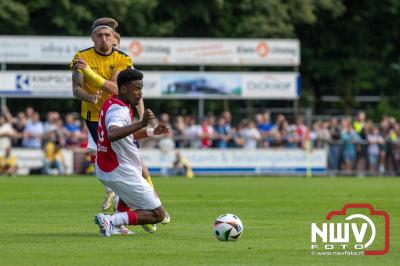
[[228, 227]]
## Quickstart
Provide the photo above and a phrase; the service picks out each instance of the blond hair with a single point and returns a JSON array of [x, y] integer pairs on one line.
[[117, 36]]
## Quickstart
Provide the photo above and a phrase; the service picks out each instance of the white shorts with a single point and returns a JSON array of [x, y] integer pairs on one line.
[[138, 196]]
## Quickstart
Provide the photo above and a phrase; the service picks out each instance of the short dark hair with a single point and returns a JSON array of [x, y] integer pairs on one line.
[[128, 75]]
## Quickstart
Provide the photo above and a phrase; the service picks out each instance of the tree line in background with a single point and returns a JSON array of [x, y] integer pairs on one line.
[[348, 48]]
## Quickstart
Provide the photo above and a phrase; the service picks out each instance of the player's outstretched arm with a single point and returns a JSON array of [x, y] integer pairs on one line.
[[79, 92], [116, 133], [150, 132]]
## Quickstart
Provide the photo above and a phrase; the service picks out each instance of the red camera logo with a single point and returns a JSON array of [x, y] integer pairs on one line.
[[358, 229]]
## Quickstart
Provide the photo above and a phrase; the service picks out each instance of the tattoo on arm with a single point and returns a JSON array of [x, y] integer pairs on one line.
[[77, 88]]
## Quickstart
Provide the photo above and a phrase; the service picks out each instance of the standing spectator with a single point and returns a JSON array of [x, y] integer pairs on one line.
[[359, 128], [50, 124], [206, 133], [29, 112], [250, 135], [190, 133], [237, 138], [19, 128], [359, 122], [290, 138], [320, 135], [264, 126], [392, 141], [6, 131], [166, 141], [228, 118], [301, 130], [334, 145], [279, 134], [396, 147], [223, 133], [7, 114], [389, 164], [33, 132], [349, 138], [375, 142], [72, 130], [179, 131]]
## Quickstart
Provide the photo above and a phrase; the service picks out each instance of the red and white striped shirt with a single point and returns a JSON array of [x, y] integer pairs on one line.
[[118, 160]]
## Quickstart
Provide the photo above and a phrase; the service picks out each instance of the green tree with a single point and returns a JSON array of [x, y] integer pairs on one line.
[[351, 53]]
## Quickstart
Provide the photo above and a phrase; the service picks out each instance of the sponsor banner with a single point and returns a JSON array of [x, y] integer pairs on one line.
[[157, 51], [262, 85], [54, 84], [240, 161]]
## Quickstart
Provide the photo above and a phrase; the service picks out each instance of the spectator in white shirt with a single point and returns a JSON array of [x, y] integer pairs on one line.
[[6, 131], [33, 132], [250, 135]]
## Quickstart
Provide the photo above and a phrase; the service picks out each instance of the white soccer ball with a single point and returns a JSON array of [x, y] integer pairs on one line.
[[228, 227]]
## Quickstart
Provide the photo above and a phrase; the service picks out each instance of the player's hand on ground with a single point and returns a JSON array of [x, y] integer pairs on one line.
[[147, 116], [80, 63], [96, 97], [161, 129]]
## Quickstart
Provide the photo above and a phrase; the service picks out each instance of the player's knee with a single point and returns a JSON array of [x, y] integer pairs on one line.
[[159, 215]]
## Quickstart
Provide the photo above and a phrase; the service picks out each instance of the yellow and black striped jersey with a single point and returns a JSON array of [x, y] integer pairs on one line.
[[105, 66]]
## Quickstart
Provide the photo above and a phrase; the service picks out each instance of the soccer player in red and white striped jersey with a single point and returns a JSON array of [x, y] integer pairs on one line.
[[118, 164]]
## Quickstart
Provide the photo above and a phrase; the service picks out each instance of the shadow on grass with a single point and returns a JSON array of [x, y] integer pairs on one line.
[[57, 235]]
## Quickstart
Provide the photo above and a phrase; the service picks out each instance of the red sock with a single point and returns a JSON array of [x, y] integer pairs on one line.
[[122, 207], [132, 217]]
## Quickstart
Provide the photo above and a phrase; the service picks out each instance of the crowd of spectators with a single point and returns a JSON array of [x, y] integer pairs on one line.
[[353, 144], [27, 129]]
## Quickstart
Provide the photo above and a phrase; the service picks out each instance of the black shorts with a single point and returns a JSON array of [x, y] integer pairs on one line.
[[92, 126]]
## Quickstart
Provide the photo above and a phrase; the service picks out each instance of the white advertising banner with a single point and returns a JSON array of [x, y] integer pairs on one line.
[[283, 161], [29, 159], [190, 85], [157, 51], [52, 84]]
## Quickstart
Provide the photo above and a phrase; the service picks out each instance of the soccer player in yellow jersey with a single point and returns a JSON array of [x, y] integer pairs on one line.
[[95, 71]]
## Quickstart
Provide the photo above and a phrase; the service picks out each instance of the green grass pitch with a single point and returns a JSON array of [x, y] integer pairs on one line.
[[49, 221]]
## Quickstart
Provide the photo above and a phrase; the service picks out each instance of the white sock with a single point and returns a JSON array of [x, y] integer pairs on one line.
[[116, 199], [119, 218]]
